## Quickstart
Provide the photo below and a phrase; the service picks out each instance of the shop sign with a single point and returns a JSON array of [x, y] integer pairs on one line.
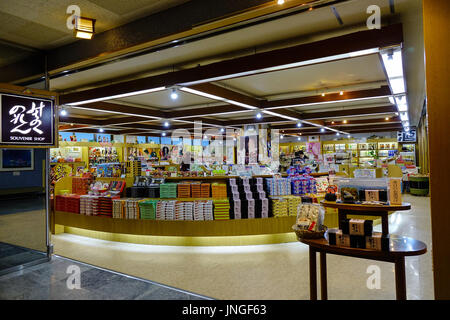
[[403, 136], [26, 121]]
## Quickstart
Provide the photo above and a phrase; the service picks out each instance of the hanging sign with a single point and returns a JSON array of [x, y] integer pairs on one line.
[[27, 121], [403, 136]]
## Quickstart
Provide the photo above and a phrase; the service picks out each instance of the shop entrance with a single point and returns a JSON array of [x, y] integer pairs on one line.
[[27, 130]]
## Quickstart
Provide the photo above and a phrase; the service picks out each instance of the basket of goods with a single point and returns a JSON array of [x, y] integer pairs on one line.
[[309, 224]]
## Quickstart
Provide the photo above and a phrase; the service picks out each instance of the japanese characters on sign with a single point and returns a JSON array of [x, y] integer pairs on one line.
[[403, 136], [26, 120]]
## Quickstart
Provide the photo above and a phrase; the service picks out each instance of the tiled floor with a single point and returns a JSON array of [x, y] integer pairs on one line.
[[11, 256], [49, 281], [278, 271]]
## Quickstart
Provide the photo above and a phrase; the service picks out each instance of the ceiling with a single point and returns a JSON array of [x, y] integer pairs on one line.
[[272, 92]]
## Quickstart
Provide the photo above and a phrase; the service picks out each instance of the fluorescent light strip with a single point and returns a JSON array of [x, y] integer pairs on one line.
[[280, 115], [135, 93], [288, 66], [214, 97], [117, 112]]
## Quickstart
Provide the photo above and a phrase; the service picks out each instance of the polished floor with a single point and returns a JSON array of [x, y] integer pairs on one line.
[[278, 271], [11, 256], [50, 281]]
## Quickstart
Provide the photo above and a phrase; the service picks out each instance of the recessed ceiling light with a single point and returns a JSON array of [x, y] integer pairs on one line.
[[322, 130], [348, 136], [63, 112], [166, 124], [258, 115], [280, 2], [387, 118], [299, 124], [341, 93], [101, 130], [205, 137], [299, 139], [174, 94], [281, 137], [345, 121], [332, 122], [163, 134], [222, 130], [323, 94]]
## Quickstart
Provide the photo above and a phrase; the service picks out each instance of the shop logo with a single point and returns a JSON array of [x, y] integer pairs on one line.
[[74, 280], [74, 12], [374, 20], [374, 280]]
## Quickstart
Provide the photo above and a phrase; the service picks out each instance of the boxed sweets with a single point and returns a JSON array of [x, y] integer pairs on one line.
[[377, 241], [357, 227]]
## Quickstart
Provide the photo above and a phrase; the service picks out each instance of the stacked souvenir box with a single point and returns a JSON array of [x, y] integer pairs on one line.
[[80, 185], [206, 190], [161, 210], [278, 186], [280, 207], [68, 203], [358, 233], [168, 191], [131, 209], [208, 210], [170, 210], [147, 209], [196, 190], [105, 206], [248, 198], [303, 185], [118, 208], [198, 210], [184, 190], [293, 203], [88, 204], [188, 211], [60, 203], [134, 168], [221, 210], [179, 210], [219, 190]]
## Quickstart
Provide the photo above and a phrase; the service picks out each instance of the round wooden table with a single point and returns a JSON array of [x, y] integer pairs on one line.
[[399, 248]]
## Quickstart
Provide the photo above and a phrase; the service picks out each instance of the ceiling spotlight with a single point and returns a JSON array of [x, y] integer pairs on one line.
[[205, 137], [332, 122], [322, 129], [299, 124], [345, 121], [222, 130], [323, 94], [280, 2], [300, 133], [258, 115], [387, 118], [341, 93], [166, 124], [349, 136], [281, 137], [299, 139], [174, 94], [163, 134], [71, 124], [338, 134], [84, 28], [101, 130], [63, 112], [234, 139]]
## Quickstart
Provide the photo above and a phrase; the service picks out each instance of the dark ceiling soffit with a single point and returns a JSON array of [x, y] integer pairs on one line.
[[387, 36], [349, 113], [226, 93], [364, 121]]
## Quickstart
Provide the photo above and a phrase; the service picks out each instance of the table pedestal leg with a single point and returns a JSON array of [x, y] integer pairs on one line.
[[312, 274], [400, 278], [323, 276]]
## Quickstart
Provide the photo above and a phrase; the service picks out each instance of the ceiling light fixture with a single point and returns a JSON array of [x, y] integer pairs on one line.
[[345, 121], [163, 134], [166, 124], [323, 94], [281, 137], [322, 129], [341, 93], [84, 28], [299, 124], [63, 112], [387, 118], [174, 94], [349, 136], [280, 2], [205, 137], [258, 115], [299, 139], [101, 130]]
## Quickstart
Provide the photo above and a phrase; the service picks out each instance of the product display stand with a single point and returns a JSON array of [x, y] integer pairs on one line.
[[399, 248]]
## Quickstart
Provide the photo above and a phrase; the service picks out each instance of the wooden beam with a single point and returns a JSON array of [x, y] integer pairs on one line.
[[350, 113], [225, 93], [121, 109], [364, 121], [248, 65]]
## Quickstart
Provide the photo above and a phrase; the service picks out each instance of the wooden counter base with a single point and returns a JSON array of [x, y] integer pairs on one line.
[[177, 228]]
